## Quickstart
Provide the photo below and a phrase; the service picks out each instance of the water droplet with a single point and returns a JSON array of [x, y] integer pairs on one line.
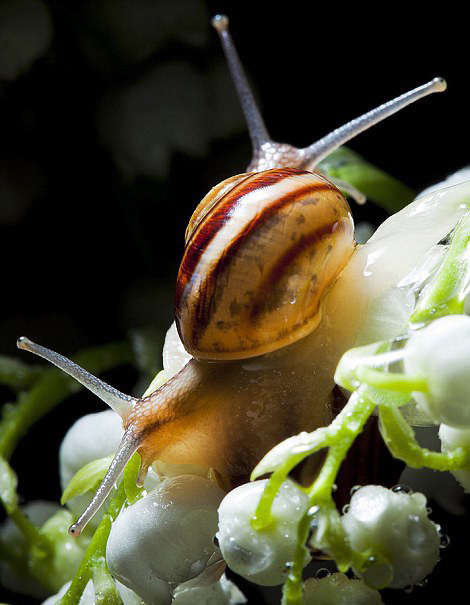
[[345, 508], [287, 567], [428, 510], [423, 582], [248, 561], [313, 510], [323, 572], [334, 487], [444, 541], [408, 589], [377, 573], [400, 488], [354, 489]]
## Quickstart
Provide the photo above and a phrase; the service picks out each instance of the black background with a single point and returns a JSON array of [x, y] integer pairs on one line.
[[95, 255]]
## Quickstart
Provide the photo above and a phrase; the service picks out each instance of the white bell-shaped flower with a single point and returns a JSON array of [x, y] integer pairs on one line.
[[166, 537], [440, 353], [395, 529], [452, 438], [338, 589], [261, 556]]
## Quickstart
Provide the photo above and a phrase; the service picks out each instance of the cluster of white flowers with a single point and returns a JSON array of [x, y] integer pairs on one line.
[[173, 544]]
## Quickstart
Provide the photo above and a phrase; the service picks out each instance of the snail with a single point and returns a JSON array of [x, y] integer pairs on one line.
[[263, 252]]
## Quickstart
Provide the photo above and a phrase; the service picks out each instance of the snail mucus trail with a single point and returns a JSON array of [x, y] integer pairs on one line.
[[263, 250]]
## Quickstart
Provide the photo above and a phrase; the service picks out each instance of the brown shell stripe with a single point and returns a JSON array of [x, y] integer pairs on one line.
[[277, 271], [219, 215], [205, 304]]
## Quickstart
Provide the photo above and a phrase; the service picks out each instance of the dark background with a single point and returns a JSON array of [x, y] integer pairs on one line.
[[93, 203]]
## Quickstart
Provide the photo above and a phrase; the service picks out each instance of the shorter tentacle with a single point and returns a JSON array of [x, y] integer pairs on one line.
[[116, 400], [128, 446], [349, 189]]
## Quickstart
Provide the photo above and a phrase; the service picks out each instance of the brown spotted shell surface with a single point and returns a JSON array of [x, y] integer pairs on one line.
[[261, 251]]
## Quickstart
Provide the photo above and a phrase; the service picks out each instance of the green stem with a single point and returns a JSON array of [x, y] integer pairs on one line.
[[376, 184], [133, 493], [52, 388], [292, 589], [446, 295], [262, 518], [105, 588], [30, 532], [330, 533], [298, 448], [401, 441], [15, 560], [17, 375], [404, 383]]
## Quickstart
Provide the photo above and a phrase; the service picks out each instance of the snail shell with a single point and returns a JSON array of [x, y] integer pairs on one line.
[[262, 249]]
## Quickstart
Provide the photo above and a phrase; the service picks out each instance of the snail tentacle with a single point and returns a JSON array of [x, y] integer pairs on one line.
[[128, 446], [318, 151], [270, 154], [117, 401], [256, 127]]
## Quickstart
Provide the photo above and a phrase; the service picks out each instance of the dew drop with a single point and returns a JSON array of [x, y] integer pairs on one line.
[[345, 508], [313, 510], [323, 572], [444, 541], [287, 567], [354, 489], [408, 589], [400, 488]]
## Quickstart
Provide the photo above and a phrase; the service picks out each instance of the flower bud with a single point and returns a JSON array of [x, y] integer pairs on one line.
[[261, 556], [440, 353], [393, 527], [166, 537], [451, 439], [338, 589]]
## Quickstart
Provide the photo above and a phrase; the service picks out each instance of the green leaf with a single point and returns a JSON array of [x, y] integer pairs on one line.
[[131, 473], [8, 483], [376, 184], [87, 478]]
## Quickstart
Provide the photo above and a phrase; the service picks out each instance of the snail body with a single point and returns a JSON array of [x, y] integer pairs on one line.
[[264, 254]]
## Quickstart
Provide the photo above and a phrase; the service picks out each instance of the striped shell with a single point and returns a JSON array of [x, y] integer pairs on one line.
[[261, 250]]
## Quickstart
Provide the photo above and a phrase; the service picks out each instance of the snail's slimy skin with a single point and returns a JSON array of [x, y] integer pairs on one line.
[[239, 410], [373, 297], [235, 412]]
